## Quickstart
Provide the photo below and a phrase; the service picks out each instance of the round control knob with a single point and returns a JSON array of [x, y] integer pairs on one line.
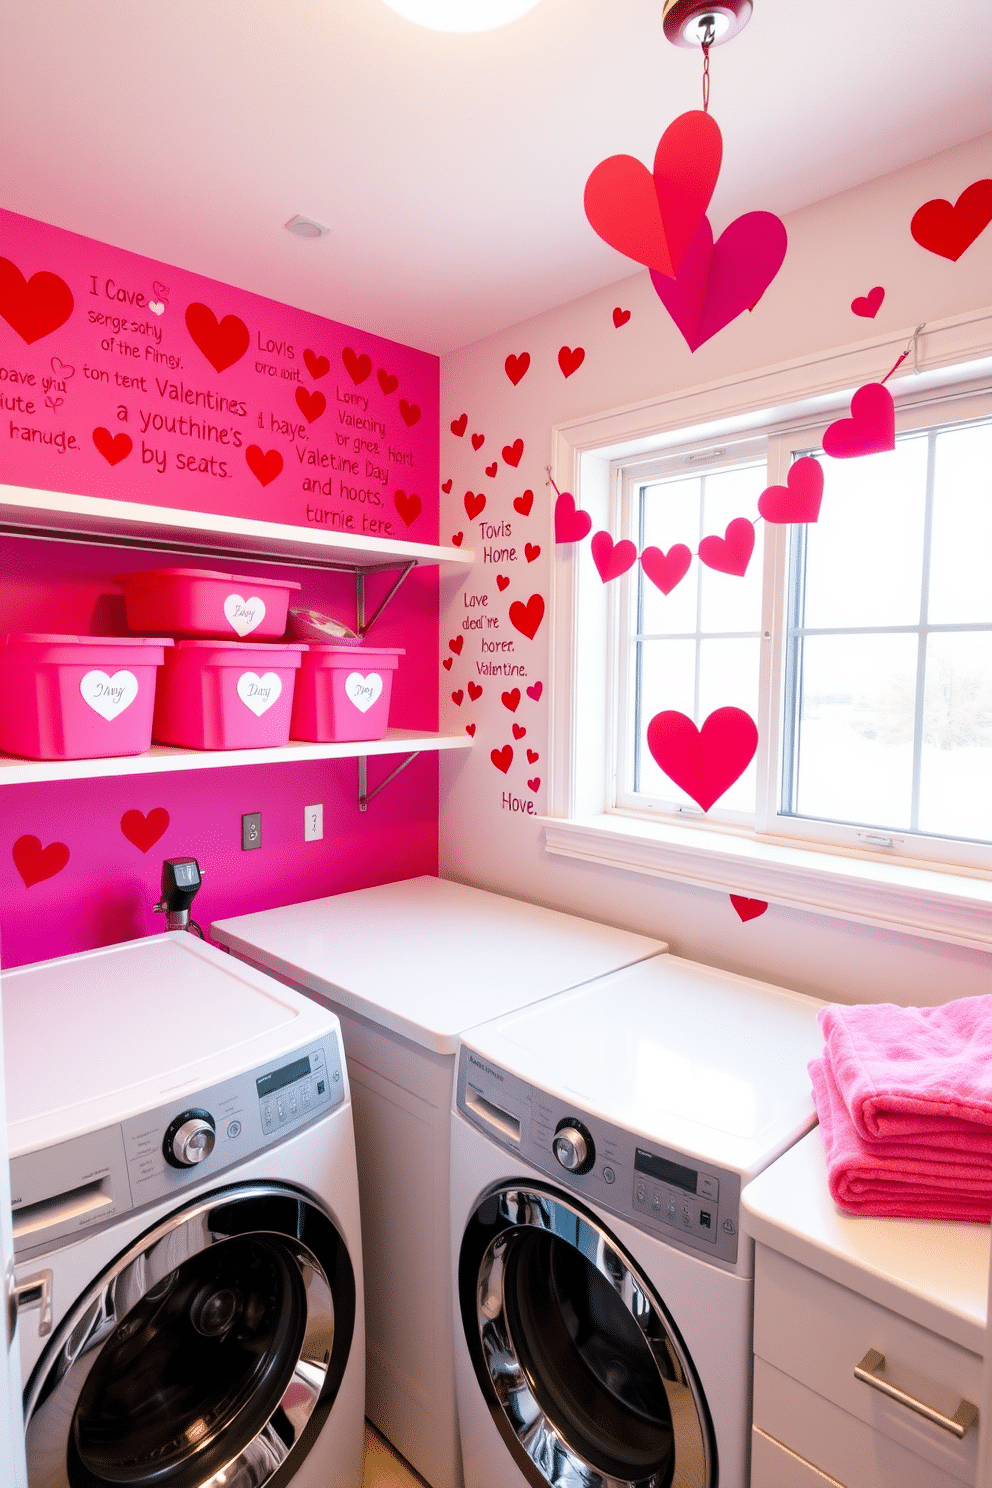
[[573, 1147], [189, 1139]]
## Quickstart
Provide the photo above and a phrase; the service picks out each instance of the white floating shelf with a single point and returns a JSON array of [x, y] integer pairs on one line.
[[61, 514], [161, 758]]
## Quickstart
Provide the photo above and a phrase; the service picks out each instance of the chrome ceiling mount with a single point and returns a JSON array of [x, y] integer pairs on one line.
[[694, 23]]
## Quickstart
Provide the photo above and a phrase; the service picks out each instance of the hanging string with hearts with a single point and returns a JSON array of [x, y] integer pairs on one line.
[[912, 346], [707, 43]]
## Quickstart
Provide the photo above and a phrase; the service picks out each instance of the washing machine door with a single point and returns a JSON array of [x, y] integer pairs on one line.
[[580, 1363], [209, 1352]]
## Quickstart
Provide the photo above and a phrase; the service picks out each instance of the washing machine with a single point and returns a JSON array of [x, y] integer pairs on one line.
[[187, 1239], [602, 1286]]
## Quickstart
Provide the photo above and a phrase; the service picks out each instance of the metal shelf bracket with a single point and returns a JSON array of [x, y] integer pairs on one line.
[[363, 625], [364, 794]]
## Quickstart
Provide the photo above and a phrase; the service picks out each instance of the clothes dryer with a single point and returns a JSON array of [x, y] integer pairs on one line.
[[186, 1225], [601, 1284]]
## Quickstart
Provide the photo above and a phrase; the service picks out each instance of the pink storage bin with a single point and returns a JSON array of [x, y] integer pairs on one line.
[[77, 697], [202, 602], [226, 695], [343, 693]]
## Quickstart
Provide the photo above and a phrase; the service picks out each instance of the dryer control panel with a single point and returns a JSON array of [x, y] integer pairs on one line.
[[659, 1189]]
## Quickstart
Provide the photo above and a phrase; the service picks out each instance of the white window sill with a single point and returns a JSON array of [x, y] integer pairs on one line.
[[909, 898]]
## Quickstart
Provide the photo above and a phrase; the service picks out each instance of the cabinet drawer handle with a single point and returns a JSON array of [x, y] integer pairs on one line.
[[867, 1371]]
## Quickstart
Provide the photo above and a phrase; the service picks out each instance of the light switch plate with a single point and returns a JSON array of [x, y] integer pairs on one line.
[[313, 823], [251, 830]]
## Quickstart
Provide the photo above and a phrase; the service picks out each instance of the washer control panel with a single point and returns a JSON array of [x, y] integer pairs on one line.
[[691, 1204]]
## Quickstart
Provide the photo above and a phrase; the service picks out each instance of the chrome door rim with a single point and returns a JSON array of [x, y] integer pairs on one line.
[[537, 1442], [146, 1264]]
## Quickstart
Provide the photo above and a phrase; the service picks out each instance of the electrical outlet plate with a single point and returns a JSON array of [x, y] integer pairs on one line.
[[251, 830], [313, 823]]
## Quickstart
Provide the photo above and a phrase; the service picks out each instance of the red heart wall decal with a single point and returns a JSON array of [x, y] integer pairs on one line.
[[518, 731], [113, 447], [458, 697], [527, 617], [799, 501], [222, 342], [748, 909], [532, 551], [532, 756], [264, 465], [311, 405], [620, 317], [949, 230], [446, 486], [357, 367], [491, 469], [409, 413], [33, 307], [869, 305], [611, 559], [474, 691], [388, 383], [502, 758], [516, 366], [523, 503], [652, 218], [409, 507], [457, 538], [36, 863], [719, 281], [475, 502], [470, 729], [511, 699], [665, 570], [512, 452], [459, 425], [317, 366], [570, 525], [446, 663], [456, 645], [144, 831], [703, 762], [535, 690], [731, 553], [478, 440], [535, 784], [870, 430], [502, 582], [570, 359]]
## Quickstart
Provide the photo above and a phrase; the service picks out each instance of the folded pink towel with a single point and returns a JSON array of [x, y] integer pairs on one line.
[[880, 1178], [922, 1075]]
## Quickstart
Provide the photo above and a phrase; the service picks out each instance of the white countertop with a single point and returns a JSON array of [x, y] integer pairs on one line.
[[934, 1272], [427, 958]]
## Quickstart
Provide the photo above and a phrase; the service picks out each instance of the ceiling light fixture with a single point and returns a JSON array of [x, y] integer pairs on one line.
[[306, 227], [461, 15], [696, 23]]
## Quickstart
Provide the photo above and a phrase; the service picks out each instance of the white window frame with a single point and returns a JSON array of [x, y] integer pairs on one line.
[[935, 900]]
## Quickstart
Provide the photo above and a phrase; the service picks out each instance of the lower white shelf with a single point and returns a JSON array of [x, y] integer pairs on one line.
[[162, 758]]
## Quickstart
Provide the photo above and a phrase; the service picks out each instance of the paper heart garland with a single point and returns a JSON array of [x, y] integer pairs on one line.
[[570, 525], [223, 342], [665, 570], [259, 693], [408, 506], [612, 559], [113, 447], [264, 465], [748, 909], [703, 762], [33, 307], [244, 615], [870, 430], [869, 305], [361, 691], [144, 831], [527, 617], [36, 863], [108, 696], [731, 553], [653, 217], [949, 230], [799, 501], [719, 281]]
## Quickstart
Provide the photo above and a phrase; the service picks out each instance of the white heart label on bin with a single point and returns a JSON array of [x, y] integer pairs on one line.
[[244, 615], [259, 693], [108, 696], [362, 691]]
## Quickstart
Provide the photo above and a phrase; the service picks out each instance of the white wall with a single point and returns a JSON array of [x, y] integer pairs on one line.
[[838, 248]]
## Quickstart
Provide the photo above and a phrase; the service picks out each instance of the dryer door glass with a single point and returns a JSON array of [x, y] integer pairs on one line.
[[581, 1366], [210, 1352]]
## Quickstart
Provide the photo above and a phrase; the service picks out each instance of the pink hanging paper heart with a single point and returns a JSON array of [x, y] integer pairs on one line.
[[665, 570], [799, 501], [570, 525], [870, 430], [652, 218], [611, 559], [703, 762], [719, 281], [731, 553]]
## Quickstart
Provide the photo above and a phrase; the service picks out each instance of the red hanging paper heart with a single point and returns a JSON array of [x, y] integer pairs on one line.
[[357, 367], [527, 617], [512, 452], [511, 699], [388, 383], [703, 762], [748, 909], [949, 230], [222, 342], [516, 366], [799, 501], [475, 502], [570, 359], [36, 863], [113, 447], [719, 281], [264, 465], [570, 525], [731, 553], [611, 559], [869, 305], [311, 405], [523, 503], [409, 507], [144, 831], [870, 430], [666, 569], [317, 366], [502, 758], [33, 307]]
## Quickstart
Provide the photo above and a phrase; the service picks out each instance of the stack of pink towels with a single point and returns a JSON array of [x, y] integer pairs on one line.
[[904, 1097]]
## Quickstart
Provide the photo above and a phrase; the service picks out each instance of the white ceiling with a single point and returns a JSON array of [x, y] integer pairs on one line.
[[451, 168]]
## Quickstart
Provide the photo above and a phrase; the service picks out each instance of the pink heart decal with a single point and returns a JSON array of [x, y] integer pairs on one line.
[[611, 559], [719, 281], [703, 762], [570, 525], [731, 553], [36, 863], [527, 617], [870, 430], [748, 909], [869, 305], [535, 691], [144, 831], [799, 501], [652, 218], [665, 570]]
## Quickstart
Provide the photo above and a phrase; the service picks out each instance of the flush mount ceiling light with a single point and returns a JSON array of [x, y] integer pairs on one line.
[[306, 227], [461, 15], [694, 23]]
